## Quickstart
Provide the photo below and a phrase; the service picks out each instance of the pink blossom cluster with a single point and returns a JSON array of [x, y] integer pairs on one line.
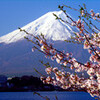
[[91, 42], [92, 67], [95, 15], [66, 80]]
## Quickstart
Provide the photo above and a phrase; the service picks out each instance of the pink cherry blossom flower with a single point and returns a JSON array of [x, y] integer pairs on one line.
[[48, 70]]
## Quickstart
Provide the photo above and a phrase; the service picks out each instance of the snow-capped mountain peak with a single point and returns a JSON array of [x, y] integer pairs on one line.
[[47, 25]]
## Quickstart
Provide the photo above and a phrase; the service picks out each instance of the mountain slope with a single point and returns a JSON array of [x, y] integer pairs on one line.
[[47, 25], [18, 59]]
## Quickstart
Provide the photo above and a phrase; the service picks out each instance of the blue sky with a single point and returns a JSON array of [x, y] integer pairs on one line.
[[17, 13]]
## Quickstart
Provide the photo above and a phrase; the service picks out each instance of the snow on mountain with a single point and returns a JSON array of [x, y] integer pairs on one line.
[[47, 25]]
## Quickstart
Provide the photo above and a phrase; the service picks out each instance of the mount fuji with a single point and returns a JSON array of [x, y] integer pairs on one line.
[[16, 57], [47, 25]]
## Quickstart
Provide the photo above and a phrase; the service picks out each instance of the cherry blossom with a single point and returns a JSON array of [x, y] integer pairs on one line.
[[90, 41]]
